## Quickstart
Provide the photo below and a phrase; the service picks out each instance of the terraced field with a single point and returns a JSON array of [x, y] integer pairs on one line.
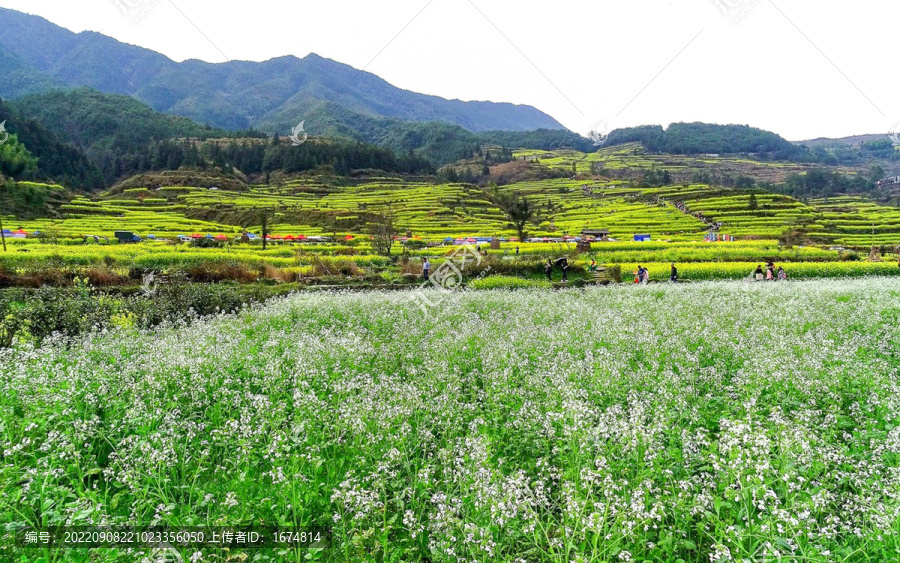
[[630, 160], [432, 211], [772, 214], [680, 214], [856, 221]]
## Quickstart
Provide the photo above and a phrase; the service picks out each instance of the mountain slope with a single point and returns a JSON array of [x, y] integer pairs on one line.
[[57, 159], [271, 96], [853, 141], [93, 120], [699, 138]]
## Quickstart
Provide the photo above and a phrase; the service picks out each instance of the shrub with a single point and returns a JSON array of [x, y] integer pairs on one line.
[[232, 270], [505, 282], [101, 276], [336, 267]]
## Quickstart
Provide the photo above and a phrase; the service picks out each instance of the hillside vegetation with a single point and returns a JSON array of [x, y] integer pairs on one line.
[[272, 96], [434, 211]]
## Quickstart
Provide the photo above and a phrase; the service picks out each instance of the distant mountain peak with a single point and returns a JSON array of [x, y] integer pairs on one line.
[[37, 55]]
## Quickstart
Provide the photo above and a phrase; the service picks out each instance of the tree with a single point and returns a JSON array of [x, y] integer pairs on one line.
[[875, 173], [744, 182], [264, 220], [4, 187], [383, 229], [753, 203], [516, 207]]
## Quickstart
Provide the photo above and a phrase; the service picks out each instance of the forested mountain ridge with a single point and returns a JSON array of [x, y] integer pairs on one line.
[[35, 152], [84, 140], [700, 138], [271, 96], [112, 130]]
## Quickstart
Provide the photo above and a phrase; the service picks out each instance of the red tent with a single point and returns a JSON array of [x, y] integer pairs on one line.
[[221, 237], [348, 237], [290, 237], [20, 232], [301, 237], [471, 239], [196, 235], [513, 239]]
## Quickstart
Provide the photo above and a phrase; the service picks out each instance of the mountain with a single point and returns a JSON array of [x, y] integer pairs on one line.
[[854, 141], [93, 120], [55, 158], [110, 129], [271, 96], [700, 138]]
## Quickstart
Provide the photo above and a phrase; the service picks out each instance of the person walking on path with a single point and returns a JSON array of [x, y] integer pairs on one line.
[[782, 275], [674, 275], [646, 278], [426, 269], [770, 272], [639, 275], [548, 269], [517, 250], [565, 271]]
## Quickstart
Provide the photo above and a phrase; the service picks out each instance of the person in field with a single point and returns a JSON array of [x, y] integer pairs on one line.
[[565, 271], [639, 274], [517, 250], [593, 266], [646, 279], [758, 274], [770, 272], [782, 275], [548, 269], [673, 277], [426, 269]]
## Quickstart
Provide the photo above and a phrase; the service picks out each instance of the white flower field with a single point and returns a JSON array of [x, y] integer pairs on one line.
[[700, 422]]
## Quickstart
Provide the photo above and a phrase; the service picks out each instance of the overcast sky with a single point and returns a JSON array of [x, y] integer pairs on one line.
[[801, 68]]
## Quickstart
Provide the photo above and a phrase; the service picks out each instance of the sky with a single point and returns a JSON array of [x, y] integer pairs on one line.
[[801, 68]]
